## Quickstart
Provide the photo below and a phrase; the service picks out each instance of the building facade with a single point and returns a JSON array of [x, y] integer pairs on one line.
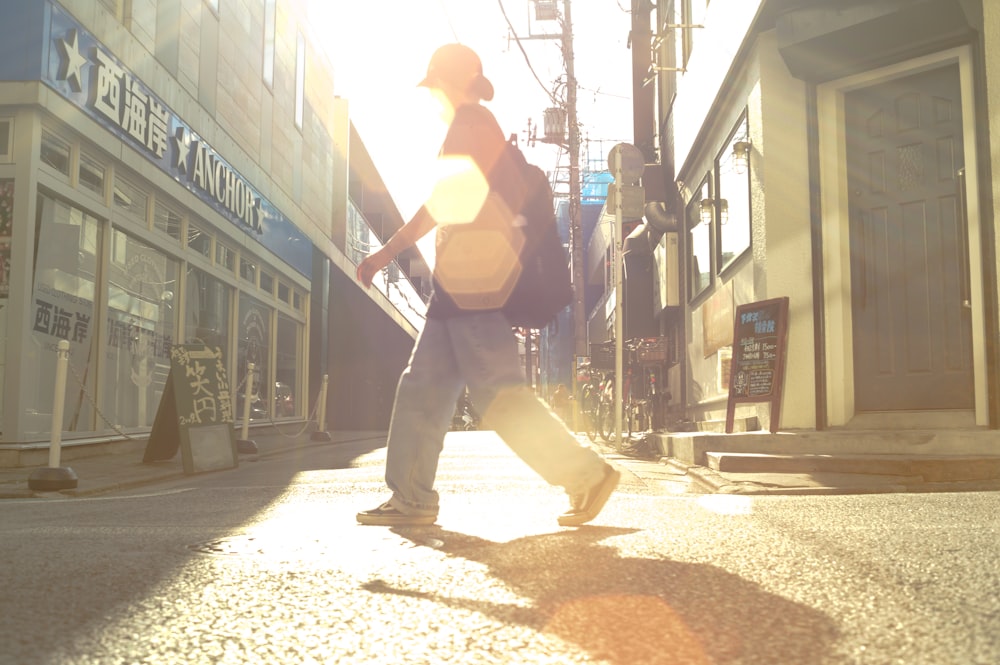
[[840, 155], [176, 171]]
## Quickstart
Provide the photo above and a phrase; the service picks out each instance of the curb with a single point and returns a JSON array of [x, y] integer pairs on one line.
[[165, 473], [713, 482]]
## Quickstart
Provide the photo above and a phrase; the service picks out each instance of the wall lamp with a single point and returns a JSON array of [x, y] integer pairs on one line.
[[741, 156], [707, 212]]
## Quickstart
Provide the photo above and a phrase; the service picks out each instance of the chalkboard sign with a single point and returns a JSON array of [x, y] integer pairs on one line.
[[195, 413], [757, 372]]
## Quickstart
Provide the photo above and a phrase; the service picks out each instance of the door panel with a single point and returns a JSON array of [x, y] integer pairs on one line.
[[912, 334]]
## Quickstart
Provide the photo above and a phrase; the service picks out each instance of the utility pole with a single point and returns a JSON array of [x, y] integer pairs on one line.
[[575, 225], [546, 10]]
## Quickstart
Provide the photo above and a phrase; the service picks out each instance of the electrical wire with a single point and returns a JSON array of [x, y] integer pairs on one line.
[[447, 17], [527, 60], [601, 92]]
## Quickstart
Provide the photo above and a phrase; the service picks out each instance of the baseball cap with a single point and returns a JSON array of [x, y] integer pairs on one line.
[[458, 64]]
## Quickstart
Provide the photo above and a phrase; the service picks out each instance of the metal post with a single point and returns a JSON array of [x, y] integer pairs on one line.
[[529, 373], [617, 279], [321, 434], [54, 478], [244, 445], [576, 230], [58, 403], [580, 337]]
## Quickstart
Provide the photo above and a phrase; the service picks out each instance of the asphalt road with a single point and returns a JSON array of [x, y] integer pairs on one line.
[[265, 564]]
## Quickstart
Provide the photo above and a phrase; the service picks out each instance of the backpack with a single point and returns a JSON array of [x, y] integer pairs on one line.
[[543, 288]]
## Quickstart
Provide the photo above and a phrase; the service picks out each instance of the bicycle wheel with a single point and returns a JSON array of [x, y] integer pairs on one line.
[[606, 422], [590, 423], [646, 419], [588, 411]]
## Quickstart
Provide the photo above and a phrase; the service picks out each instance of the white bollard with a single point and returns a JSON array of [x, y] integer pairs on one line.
[[244, 444], [58, 403], [54, 478], [321, 434]]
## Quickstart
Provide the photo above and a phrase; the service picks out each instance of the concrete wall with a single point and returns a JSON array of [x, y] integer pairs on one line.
[[251, 126], [779, 260]]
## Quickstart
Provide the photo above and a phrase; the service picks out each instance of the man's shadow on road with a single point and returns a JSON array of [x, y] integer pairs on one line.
[[630, 609]]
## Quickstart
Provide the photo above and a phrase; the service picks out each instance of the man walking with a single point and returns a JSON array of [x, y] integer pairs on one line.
[[466, 340]]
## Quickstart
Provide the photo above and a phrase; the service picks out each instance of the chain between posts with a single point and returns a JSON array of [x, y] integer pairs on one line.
[[117, 429]]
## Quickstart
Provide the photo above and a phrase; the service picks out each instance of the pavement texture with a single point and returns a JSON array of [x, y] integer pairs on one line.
[[100, 469]]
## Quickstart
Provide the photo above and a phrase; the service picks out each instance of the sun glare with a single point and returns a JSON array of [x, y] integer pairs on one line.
[[726, 504], [459, 192]]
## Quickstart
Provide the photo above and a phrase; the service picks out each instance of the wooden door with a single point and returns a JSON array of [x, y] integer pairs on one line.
[[912, 327]]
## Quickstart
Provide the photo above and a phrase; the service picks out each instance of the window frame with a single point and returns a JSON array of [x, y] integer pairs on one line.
[[692, 223], [740, 132], [6, 139], [54, 144]]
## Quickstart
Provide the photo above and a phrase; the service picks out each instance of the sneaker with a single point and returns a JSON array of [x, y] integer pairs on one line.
[[386, 515], [585, 507]]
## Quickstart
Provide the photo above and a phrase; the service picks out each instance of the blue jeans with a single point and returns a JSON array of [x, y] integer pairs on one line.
[[478, 351]]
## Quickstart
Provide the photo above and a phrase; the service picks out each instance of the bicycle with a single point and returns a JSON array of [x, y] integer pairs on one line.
[[606, 410], [652, 360], [644, 363], [589, 401]]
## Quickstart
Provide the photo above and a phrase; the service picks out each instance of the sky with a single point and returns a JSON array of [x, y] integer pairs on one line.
[[380, 50]]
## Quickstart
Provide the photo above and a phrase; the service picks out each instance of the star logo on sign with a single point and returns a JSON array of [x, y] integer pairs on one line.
[[72, 60], [257, 221], [182, 146]]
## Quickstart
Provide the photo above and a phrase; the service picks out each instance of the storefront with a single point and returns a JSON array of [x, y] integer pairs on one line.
[[838, 157], [125, 232]]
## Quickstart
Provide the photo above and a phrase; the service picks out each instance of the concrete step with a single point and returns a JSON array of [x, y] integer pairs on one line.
[[691, 447], [929, 468], [748, 424]]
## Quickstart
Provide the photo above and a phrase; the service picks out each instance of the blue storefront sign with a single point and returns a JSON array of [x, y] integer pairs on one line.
[[85, 72]]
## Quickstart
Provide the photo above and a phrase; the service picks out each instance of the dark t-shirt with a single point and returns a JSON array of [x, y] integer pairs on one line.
[[473, 248]]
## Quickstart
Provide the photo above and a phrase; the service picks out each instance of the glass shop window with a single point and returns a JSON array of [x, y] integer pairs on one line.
[[254, 346], [733, 197], [167, 220], [267, 282], [6, 132], [141, 319], [63, 306], [248, 269], [699, 215], [55, 152], [199, 240], [225, 256], [130, 201], [91, 175], [207, 310], [287, 395]]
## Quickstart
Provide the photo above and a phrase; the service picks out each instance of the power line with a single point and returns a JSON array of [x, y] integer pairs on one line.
[[447, 17], [527, 60], [601, 92]]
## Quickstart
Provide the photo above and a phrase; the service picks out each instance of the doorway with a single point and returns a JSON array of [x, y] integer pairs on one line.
[[909, 256]]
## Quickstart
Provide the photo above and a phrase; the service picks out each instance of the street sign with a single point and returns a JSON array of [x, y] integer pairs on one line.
[[757, 372], [633, 199], [632, 163], [195, 412]]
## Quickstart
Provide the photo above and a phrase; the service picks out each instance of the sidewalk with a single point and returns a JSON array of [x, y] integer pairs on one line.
[[787, 475], [813, 474], [124, 469]]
